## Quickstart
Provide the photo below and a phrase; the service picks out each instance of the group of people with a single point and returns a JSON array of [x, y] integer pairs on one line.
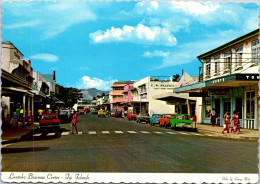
[[227, 121], [19, 116]]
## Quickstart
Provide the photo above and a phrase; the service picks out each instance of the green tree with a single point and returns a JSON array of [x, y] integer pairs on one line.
[[176, 77], [69, 96]]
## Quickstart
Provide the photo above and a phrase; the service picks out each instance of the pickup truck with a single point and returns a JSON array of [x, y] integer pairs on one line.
[[164, 121]]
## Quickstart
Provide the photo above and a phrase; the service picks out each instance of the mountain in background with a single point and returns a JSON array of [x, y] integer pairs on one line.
[[88, 94]]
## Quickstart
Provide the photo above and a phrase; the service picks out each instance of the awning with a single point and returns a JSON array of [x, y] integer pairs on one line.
[[196, 87], [13, 89], [174, 97]]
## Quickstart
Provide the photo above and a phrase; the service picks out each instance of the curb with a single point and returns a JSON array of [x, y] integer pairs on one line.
[[20, 138], [227, 135]]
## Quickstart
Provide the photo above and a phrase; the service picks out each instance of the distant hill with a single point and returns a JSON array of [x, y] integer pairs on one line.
[[88, 94]]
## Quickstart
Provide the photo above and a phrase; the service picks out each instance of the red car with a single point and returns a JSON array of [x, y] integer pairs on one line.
[[131, 116], [49, 120], [165, 120]]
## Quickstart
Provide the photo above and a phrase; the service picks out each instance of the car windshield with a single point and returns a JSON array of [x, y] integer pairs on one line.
[[157, 116], [144, 114], [169, 115], [187, 117], [49, 117], [63, 112]]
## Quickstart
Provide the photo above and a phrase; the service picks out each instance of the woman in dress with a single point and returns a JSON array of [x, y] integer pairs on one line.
[[235, 119], [74, 123], [213, 117], [226, 122]]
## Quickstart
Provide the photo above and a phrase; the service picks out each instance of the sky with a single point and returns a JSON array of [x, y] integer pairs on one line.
[[95, 43]]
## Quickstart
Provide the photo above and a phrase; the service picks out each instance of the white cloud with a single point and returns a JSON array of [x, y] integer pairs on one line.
[[140, 34], [22, 24], [156, 53], [195, 8], [50, 18], [88, 82], [45, 57]]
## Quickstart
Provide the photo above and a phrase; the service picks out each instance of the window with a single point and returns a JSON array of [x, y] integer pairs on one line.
[[255, 51], [208, 67], [119, 88], [217, 64], [239, 53], [227, 59], [207, 108], [250, 105], [118, 97]]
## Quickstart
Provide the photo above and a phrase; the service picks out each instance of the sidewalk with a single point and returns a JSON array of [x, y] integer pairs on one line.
[[217, 131], [16, 134]]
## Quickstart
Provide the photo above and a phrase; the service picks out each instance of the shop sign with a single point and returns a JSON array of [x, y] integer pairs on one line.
[[162, 85], [251, 77], [217, 92]]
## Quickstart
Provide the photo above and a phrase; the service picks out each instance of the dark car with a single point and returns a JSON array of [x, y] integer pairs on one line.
[[143, 117], [49, 120], [65, 116]]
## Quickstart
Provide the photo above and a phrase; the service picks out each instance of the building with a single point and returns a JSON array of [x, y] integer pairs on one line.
[[146, 90], [117, 95], [17, 82], [229, 81]]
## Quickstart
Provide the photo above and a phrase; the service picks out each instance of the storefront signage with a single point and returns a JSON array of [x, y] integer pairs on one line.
[[249, 77], [219, 80], [217, 92], [162, 85]]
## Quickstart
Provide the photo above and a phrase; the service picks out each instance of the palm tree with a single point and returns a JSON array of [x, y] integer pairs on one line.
[[176, 77]]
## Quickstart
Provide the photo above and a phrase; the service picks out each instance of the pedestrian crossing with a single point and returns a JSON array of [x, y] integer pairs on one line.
[[105, 132]]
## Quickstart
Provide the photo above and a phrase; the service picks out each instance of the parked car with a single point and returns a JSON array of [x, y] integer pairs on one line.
[[118, 114], [131, 116], [143, 117], [49, 120], [165, 120], [93, 112], [155, 119], [101, 113], [113, 113], [65, 116], [181, 121]]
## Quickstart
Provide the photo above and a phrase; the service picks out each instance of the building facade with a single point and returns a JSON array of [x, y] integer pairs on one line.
[[229, 81]]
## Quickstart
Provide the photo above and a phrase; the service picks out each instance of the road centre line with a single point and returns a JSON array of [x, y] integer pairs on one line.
[[118, 132], [131, 132], [171, 133], [158, 132], [50, 134], [105, 132], [144, 132], [37, 135], [92, 132], [65, 133]]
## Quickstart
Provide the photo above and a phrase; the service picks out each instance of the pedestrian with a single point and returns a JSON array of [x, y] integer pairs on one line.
[[74, 123], [15, 120], [235, 119], [30, 118], [40, 112], [22, 117], [8, 120], [226, 122], [194, 119], [213, 117], [18, 113]]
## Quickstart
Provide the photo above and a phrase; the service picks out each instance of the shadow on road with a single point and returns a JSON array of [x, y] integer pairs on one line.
[[22, 150]]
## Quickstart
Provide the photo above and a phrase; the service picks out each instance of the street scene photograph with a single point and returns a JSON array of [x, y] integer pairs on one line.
[[130, 91]]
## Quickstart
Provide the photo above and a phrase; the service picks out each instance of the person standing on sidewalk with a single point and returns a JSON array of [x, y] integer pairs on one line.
[[226, 122], [235, 119], [15, 120], [213, 117], [74, 123]]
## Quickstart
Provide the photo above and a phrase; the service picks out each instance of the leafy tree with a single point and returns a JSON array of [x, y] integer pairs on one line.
[[94, 98], [69, 96], [176, 77]]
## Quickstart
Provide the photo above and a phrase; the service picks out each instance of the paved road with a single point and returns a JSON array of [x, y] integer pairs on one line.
[[118, 145]]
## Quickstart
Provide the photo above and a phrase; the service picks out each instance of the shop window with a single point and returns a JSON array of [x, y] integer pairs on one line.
[[239, 53], [208, 67], [207, 108], [217, 64], [118, 88], [255, 51], [250, 105]]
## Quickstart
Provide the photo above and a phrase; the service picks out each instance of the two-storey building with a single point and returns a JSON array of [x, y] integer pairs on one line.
[[229, 80]]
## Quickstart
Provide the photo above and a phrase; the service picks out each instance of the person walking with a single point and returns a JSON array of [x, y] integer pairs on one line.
[[235, 119], [15, 120], [213, 117], [74, 123], [40, 112], [226, 122]]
